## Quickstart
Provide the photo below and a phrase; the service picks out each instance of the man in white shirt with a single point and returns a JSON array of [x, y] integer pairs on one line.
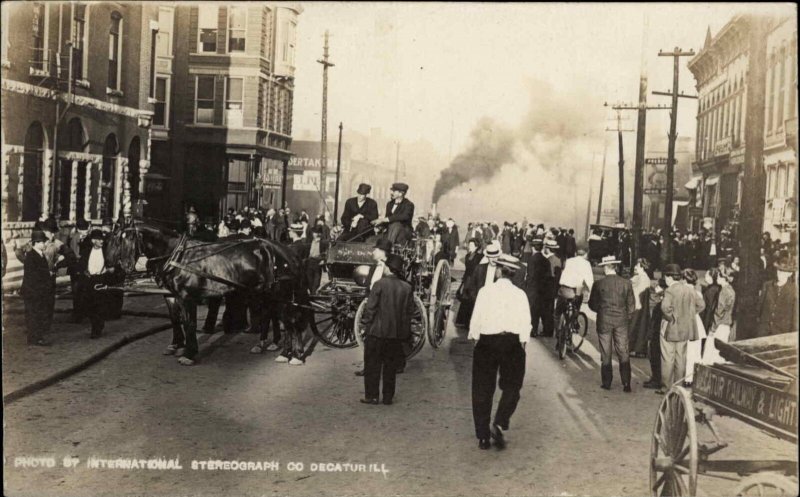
[[94, 272], [501, 325], [576, 278]]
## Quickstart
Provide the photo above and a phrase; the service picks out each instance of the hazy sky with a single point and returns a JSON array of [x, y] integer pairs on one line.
[[415, 70]]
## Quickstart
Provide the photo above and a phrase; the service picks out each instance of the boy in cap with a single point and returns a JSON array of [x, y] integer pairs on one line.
[[613, 300], [38, 291], [399, 215], [387, 320]]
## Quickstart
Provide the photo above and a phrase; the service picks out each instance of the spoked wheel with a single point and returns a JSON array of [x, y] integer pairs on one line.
[[673, 450], [419, 324], [767, 485], [578, 332], [440, 304], [332, 321], [561, 336]]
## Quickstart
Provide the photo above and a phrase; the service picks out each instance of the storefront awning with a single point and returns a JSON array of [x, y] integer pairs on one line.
[[692, 184], [712, 180]]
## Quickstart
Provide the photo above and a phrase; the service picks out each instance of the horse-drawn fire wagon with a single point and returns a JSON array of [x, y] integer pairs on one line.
[[339, 303], [758, 386]]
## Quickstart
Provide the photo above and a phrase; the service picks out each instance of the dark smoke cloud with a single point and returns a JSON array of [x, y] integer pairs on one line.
[[491, 148]]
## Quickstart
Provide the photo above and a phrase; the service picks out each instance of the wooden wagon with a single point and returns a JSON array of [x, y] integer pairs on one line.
[[758, 386]]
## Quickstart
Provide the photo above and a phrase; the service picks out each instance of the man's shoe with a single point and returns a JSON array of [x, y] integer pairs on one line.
[[360, 372], [627, 389], [373, 402], [499, 439], [651, 384], [484, 444], [281, 358], [272, 347], [387, 402], [296, 362], [605, 387]]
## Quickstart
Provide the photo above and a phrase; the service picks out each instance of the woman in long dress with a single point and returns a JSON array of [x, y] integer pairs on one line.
[[694, 351], [638, 327], [722, 320]]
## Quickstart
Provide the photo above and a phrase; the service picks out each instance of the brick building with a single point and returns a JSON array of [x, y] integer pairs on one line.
[[76, 114], [223, 87]]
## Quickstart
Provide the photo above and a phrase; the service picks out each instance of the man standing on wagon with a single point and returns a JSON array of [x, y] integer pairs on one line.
[[399, 215], [387, 319]]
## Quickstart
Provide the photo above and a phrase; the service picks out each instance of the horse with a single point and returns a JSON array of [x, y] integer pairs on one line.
[[263, 272]]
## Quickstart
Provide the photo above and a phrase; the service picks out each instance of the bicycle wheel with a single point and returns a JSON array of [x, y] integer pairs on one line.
[[580, 326], [561, 337]]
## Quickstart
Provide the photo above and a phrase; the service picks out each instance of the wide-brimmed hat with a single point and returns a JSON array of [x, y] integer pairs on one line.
[[384, 244], [672, 270], [294, 226], [493, 250], [364, 189], [551, 243], [509, 261], [786, 263], [610, 259], [97, 235], [49, 224], [537, 242], [400, 187], [38, 236], [395, 263], [82, 225]]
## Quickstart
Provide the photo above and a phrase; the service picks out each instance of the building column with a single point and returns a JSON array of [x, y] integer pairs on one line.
[[144, 167], [20, 187], [100, 204], [6, 175], [120, 184], [48, 167], [73, 192], [87, 192], [126, 190]]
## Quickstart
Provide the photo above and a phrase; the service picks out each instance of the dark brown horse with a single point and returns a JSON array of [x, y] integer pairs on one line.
[[193, 271]]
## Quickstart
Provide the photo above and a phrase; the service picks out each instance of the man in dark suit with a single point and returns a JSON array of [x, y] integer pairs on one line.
[[571, 246], [450, 240], [95, 271], [387, 319], [539, 286], [359, 212], [399, 215], [317, 248], [38, 291]]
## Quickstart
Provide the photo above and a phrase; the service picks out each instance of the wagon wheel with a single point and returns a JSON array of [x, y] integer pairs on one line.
[[439, 304], [332, 321], [766, 485], [418, 326], [673, 450]]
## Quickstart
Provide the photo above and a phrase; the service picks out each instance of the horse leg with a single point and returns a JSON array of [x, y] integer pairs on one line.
[[190, 332], [174, 310], [259, 323]]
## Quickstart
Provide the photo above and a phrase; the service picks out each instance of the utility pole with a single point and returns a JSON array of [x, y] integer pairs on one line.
[[326, 63], [753, 183], [621, 163], [602, 180], [338, 173], [676, 55], [589, 201]]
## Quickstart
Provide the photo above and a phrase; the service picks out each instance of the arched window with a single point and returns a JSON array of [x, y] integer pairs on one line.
[[32, 172], [105, 201], [74, 141]]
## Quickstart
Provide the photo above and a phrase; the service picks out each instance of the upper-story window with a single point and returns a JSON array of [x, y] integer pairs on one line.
[[161, 105], [234, 100], [164, 36], [289, 42], [204, 100], [4, 34], [79, 53], [39, 41], [115, 51], [207, 27], [780, 88], [237, 28]]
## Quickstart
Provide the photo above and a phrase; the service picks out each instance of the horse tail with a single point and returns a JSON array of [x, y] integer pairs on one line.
[[268, 266]]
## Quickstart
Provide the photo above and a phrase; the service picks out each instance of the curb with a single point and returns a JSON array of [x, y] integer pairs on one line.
[[138, 314], [94, 358]]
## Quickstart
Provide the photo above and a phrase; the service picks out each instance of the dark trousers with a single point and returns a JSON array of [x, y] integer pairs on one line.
[[542, 310], [39, 315], [97, 303], [78, 311], [235, 316], [614, 337], [496, 353], [382, 357], [655, 345], [313, 274], [464, 316]]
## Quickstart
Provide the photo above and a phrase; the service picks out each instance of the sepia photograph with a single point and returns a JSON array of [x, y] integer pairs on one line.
[[399, 249]]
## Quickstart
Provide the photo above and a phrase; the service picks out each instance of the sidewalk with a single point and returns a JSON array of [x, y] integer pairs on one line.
[[25, 366]]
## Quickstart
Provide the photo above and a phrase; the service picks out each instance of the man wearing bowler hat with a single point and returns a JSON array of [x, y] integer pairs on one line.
[[359, 212], [95, 271], [38, 291], [382, 250], [387, 320], [399, 215]]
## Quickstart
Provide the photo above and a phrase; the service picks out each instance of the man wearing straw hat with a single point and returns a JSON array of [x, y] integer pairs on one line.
[[500, 325], [613, 300]]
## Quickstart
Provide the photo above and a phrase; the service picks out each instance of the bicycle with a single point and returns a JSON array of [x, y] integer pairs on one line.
[[572, 327]]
